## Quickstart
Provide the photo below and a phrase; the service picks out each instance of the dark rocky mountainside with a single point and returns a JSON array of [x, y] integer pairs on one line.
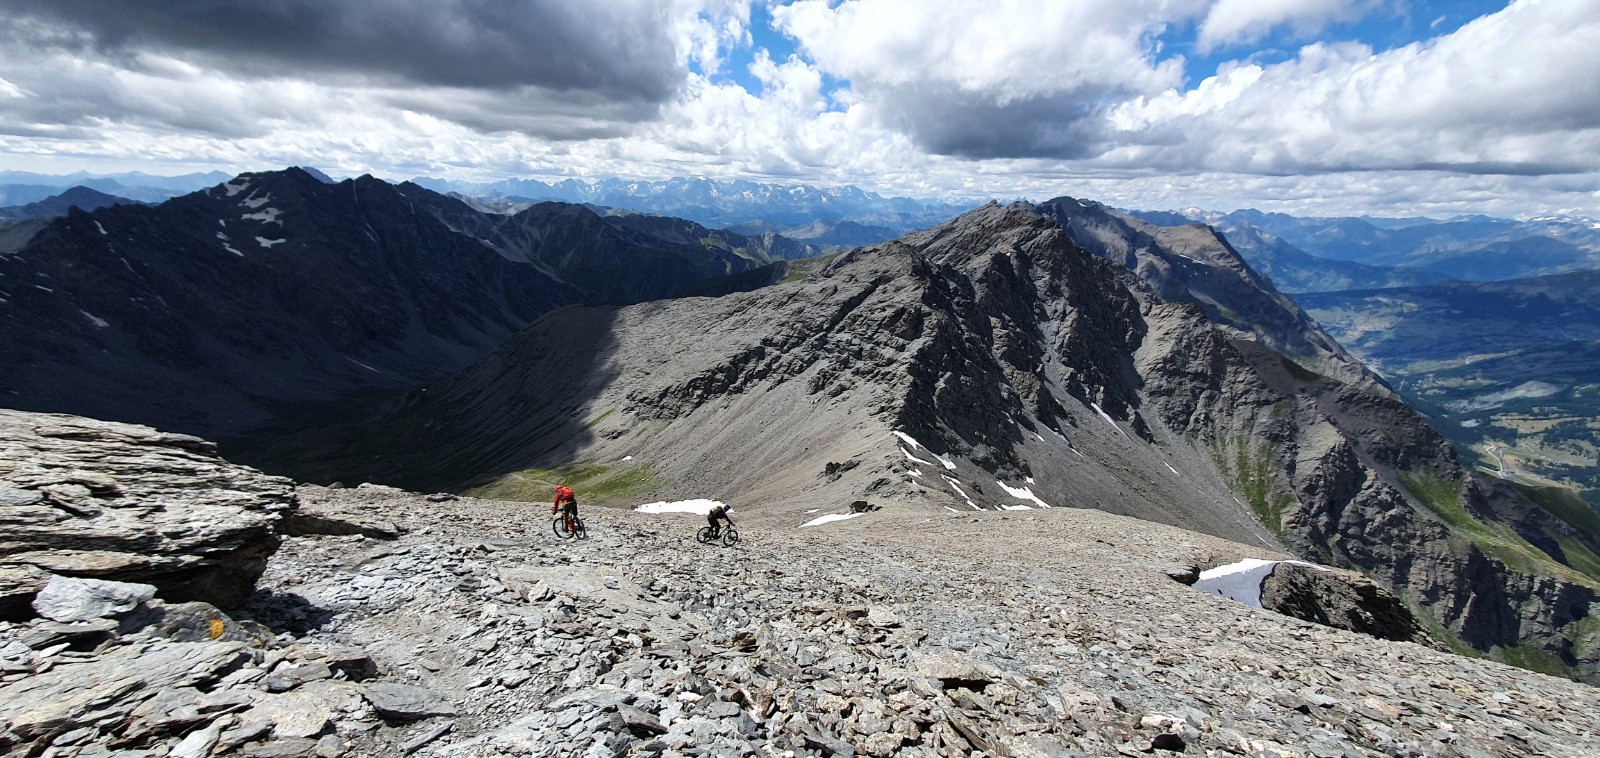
[[233, 307], [81, 198], [1195, 264], [990, 363]]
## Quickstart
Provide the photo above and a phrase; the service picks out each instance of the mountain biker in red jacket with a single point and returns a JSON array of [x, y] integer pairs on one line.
[[567, 503]]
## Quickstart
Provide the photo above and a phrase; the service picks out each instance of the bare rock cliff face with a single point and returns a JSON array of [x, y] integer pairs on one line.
[[85, 498], [1357, 479]]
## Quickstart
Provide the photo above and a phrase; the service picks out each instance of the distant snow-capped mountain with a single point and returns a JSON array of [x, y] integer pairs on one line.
[[862, 216]]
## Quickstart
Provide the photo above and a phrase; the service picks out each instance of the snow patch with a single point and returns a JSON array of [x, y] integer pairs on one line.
[[42, 287], [363, 365], [268, 216], [830, 518], [1108, 418], [1242, 581], [1021, 493], [252, 202], [627, 458], [101, 228], [813, 510], [945, 459], [93, 319], [906, 438], [698, 507], [915, 458], [1017, 507], [266, 243], [1170, 468], [229, 248], [955, 485], [234, 189]]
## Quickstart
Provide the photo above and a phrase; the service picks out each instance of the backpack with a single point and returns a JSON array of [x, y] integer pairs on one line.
[[564, 493]]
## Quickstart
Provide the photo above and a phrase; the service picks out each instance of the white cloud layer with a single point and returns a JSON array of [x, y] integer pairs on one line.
[[925, 97], [1241, 21]]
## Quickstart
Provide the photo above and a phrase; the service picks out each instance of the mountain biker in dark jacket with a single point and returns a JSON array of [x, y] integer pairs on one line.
[[719, 513], [567, 502]]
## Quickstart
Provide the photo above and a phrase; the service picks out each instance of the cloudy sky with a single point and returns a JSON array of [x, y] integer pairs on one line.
[[1389, 107]]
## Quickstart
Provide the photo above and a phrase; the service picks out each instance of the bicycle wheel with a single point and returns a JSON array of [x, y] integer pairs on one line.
[[703, 536], [560, 526], [583, 531], [730, 537]]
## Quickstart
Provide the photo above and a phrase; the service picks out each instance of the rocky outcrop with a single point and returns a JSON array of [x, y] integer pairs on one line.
[[1340, 599], [85, 498]]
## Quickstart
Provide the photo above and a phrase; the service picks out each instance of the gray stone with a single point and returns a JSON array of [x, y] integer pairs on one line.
[[404, 702], [426, 736], [286, 678], [69, 599], [199, 743], [642, 724]]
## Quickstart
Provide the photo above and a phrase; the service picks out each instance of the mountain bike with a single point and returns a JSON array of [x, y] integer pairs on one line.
[[572, 526], [708, 536]]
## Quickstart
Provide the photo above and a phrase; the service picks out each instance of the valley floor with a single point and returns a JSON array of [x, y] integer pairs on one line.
[[1038, 633]]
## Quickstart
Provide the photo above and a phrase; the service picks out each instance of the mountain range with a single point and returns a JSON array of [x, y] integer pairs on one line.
[[839, 216], [277, 290], [82, 198], [1475, 248], [1025, 356], [23, 187]]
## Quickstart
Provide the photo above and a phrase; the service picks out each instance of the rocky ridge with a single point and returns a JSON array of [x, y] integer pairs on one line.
[[477, 633]]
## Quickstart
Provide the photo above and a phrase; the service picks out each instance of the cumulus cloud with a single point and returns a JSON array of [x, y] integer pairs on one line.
[[1010, 98], [1515, 92], [985, 80], [1237, 21]]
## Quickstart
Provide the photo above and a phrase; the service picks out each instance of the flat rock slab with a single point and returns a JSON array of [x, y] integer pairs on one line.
[[70, 600], [405, 702], [68, 697]]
